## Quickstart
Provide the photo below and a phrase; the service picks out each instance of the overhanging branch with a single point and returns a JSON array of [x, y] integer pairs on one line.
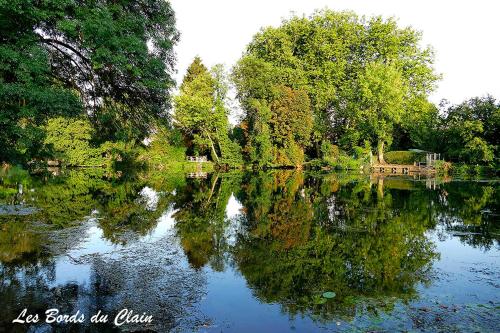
[[67, 46]]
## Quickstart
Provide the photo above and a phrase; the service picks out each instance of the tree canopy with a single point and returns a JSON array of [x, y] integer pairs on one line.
[[109, 59], [349, 66], [332, 86], [470, 130], [202, 115]]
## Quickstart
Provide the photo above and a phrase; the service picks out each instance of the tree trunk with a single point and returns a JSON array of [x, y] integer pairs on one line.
[[214, 182], [218, 143], [380, 151], [213, 148]]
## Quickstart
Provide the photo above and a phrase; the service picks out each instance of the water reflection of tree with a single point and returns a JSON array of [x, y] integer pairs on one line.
[[353, 241], [29, 256], [303, 235], [201, 219], [470, 211], [306, 235], [18, 242], [277, 207], [70, 198], [124, 214]]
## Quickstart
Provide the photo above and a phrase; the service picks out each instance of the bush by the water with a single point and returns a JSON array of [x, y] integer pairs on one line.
[[69, 140], [403, 157], [167, 152], [443, 168], [468, 170], [338, 159]]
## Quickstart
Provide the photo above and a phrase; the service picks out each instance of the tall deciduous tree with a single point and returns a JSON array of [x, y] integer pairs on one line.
[[326, 55], [201, 112], [278, 117], [114, 58], [382, 106]]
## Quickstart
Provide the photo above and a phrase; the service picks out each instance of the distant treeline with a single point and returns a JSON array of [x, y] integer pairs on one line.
[[86, 83]]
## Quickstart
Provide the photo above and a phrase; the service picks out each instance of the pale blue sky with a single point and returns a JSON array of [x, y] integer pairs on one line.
[[464, 34]]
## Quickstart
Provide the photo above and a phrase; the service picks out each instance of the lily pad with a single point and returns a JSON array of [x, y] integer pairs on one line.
[[329, 294]]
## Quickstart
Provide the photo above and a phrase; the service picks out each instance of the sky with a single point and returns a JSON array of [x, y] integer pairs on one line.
[[465, 35]]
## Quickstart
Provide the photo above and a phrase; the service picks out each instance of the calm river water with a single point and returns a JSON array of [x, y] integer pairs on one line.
[[250, 252]]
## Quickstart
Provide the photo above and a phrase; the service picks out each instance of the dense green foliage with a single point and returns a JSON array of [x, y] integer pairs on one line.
[[363, 78], [71, 142], [470, 131], [110, 60], [404, 157], [69, 139], [86, 82], [202, 115], [382, 93], [465, 134]]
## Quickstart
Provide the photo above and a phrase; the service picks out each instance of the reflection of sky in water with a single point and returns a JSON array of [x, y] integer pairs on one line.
[[233, 207], [150, 197], [466, 273], [166, 224], [233, 211], [94, 243]]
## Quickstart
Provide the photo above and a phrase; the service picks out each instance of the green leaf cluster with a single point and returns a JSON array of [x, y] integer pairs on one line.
[[109, 61], [363, 76], [202, 115], [469, 131]]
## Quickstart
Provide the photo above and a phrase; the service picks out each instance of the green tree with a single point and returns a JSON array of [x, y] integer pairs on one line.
[[29, 95], [291, 125], [470, 130], [382, 94], [278, 118], [327, 55], [194, 70], [194, 107], [201, 112], [59, 56]]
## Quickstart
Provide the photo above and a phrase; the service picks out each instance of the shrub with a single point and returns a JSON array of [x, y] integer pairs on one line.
[[330, 152], [358, 158], [403, 157], [443, 167], [460, 169], [69, 140]]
